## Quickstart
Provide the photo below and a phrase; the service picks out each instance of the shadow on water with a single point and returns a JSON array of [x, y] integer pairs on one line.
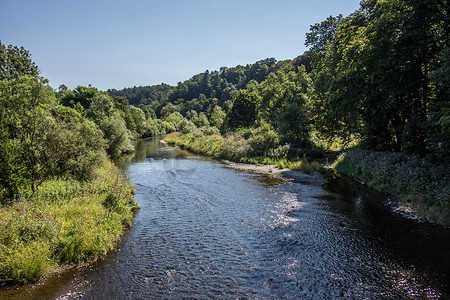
[[419, 251], [207, 231]]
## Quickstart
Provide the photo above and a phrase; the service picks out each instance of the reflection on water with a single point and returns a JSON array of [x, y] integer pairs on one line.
[[207, 231]]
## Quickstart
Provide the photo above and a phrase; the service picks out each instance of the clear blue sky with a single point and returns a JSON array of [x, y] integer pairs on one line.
[[117, 44]]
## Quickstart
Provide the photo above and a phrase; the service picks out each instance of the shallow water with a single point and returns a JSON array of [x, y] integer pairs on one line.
[[207, 231]]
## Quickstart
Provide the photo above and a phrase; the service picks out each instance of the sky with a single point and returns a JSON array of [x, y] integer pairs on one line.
[[118, 44]]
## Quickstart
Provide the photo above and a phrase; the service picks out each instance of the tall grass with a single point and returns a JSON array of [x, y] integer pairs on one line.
[[65, 222]]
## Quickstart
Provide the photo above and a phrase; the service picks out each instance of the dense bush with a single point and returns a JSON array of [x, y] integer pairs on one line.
[[262, 139], [116, 135]]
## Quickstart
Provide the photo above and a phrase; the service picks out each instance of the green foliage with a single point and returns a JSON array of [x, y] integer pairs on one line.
[[217, 117], [101, 106], [25, 126], [116, 135], [187, 126], [374, 74], [320, 37], [40, 139], [243, 113], [76, 146], [16, 62], [64, 222], [175, 119], [80, 98], [262, 139], [146, 95]]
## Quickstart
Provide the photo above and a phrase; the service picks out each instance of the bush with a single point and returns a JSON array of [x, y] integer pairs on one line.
[[262, 139]]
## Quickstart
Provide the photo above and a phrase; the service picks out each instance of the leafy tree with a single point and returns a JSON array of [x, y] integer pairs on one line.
[[187, 126], [23, 117], [294, 125], [116, 135], [244, 110], [15, 62], [101, 106], [202, 120], [175, 119], [138, 117], [75, 147], [217, 117], [320, 37], [80, 98], [40, 139]]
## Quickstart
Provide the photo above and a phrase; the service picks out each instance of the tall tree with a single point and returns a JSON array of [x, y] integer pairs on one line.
[[244, 110], [15, 62]]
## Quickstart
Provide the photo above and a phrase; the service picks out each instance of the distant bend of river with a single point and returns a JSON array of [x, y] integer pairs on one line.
[[206, 231]]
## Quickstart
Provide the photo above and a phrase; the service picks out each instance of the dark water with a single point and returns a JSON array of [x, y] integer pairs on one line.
[[206, 231]]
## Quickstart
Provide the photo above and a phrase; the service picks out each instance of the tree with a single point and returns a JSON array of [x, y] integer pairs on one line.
[[294, 125], [80, 98], [244, 110], [175, 119], [321, 36], [15, 62], [202, 120], [40, 139], [75, 146], [23, 117], [262, 139], [217, 117], [116, 135]]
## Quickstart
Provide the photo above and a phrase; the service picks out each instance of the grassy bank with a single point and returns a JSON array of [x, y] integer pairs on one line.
[[422, 184], [235, 148], [65, 222]]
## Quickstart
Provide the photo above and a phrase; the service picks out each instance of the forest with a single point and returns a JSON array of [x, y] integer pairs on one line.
[[373, 88]]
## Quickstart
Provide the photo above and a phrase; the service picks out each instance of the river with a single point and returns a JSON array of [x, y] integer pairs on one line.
[[207, 231]]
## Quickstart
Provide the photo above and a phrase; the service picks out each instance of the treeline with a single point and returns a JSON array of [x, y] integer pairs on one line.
[[199, 93]]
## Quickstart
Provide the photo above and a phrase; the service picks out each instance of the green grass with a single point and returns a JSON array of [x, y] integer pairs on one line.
[[65, 222]]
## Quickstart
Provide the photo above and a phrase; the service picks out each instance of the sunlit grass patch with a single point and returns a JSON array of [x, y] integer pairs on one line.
[[65, 222]]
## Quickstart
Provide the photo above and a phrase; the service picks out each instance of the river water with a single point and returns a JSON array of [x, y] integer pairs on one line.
[[206, 231]]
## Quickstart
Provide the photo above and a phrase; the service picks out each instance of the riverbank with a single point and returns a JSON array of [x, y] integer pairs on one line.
[[420, 188], [66, 223], [414, 188]]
